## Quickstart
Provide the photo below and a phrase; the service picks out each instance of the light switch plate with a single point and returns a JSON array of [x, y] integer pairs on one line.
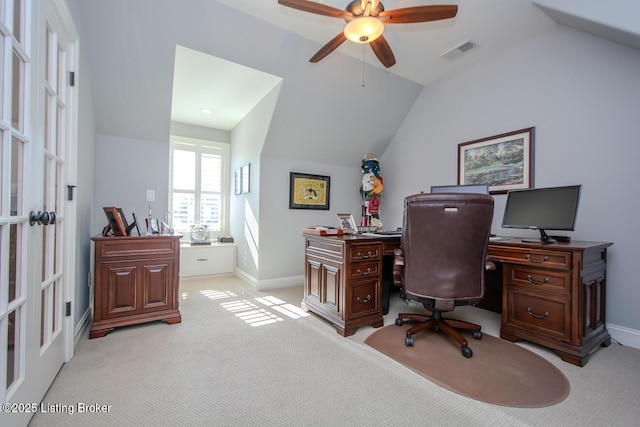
[[151, 195]]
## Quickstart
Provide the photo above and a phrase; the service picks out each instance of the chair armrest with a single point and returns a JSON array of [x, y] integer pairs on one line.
[[398, 265], [488, 264]]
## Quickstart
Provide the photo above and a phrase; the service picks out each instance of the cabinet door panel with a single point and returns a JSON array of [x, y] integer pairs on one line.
[[331, 278], [313, 274], [156, 289], [119, 297]]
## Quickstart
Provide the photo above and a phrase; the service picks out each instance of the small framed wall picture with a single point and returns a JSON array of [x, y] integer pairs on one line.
[[307, 191], [346, 223]]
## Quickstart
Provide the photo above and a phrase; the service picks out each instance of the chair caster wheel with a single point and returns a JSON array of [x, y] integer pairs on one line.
[[399, 321], [408, 341], [477, 335], [467, 352]]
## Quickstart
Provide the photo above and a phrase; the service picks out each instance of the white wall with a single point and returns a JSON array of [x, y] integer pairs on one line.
[[125, 169], [248, 140], [582, 94]]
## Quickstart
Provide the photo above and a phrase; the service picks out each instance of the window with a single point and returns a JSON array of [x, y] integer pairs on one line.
[[199, 185]]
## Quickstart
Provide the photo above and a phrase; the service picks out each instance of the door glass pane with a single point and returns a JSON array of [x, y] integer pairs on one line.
[[2, 73], [44, 255], [60, 132], [15, 206], [57, 197], [12, 335], [17, 101], [43, 304], [13, 262], [47, 124], [54, 306], [55, 228], [17, 23]]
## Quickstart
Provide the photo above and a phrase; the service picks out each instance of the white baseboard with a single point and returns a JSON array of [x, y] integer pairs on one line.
[[265, 285], [625, 336], [82, 327]]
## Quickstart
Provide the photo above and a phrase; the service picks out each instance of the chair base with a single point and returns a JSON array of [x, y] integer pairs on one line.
[[438, 323]]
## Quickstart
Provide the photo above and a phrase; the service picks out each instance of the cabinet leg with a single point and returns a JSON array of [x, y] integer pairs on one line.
[[574, 360], [173, 320], [509, 337], [99, 333]]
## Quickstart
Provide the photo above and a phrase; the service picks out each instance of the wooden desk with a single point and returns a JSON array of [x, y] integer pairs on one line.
[[343, 279], [552, 295]]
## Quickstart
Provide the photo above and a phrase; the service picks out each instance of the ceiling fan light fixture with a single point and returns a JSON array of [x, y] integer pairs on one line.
[[364, 29]]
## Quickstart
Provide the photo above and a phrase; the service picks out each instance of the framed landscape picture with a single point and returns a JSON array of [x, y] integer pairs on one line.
[[503, 162], [308, 191]]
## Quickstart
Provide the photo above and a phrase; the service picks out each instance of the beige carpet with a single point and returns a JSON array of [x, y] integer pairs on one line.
[[499, 372]]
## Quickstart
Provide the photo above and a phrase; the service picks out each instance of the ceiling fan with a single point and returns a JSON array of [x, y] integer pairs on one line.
[[365, 23]]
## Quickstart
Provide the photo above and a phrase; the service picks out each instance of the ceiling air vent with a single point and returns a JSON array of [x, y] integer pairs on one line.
[[458, 51]]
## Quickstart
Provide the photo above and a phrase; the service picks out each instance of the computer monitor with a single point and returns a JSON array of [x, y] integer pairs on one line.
[[553, 208], [468, 188]]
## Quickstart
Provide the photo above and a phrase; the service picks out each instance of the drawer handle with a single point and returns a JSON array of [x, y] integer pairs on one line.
[[367, 299], [545, 258], [202, 259], [537, 316], [537, 282], [368, 255], [364, 273]]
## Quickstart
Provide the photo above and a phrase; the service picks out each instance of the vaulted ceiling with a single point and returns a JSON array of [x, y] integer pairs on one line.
[[122, 58]]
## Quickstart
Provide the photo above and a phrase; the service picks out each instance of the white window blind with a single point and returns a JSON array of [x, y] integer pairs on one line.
[[199, 185]]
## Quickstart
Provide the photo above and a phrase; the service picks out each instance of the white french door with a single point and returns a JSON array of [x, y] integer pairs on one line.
[[36, 336]]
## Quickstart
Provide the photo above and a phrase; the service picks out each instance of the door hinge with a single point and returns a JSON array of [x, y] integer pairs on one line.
[[72, 78], [68, 309]]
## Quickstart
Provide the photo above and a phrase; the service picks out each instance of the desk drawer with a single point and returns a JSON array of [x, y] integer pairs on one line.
[[540, 279], [548, 316], [361, 270], [560, 260], [365, 252], [364, 299]]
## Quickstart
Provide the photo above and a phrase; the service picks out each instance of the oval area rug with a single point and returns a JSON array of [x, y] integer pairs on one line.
[[499, 372]]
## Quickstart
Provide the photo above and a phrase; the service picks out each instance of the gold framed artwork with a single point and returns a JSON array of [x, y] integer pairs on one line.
[[503, 162], [308, 191]]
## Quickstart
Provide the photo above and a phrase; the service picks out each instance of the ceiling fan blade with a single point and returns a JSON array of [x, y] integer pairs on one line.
[[412, 15], [383, 51], [317, 8], [329, 47]]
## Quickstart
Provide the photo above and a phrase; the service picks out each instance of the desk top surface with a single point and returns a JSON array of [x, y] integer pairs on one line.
[[506, 241]]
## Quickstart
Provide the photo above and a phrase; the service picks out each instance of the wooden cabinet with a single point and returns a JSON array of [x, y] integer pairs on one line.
[[554, 295], [343, 277], [136, 281]]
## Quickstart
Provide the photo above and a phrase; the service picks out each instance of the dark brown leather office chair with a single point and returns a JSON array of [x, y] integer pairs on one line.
[[442, 259]]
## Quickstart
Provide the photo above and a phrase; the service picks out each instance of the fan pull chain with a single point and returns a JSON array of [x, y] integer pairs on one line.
[[363, 65]]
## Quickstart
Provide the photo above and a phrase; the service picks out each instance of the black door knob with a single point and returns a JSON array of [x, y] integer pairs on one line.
[[42, 218]]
